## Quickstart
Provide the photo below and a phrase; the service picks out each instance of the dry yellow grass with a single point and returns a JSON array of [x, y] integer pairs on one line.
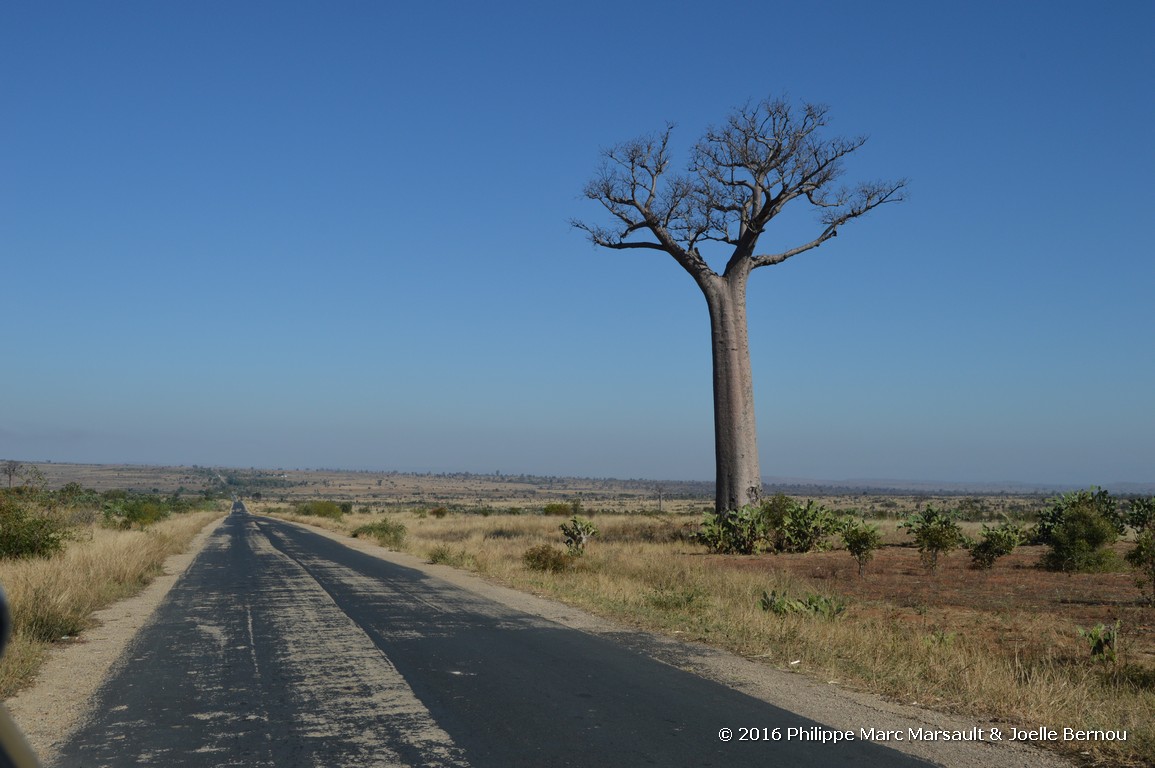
[[639, 571], [52, 598]]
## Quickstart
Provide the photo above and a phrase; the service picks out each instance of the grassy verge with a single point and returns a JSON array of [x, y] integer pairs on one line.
[[643, 572], [52, 598]]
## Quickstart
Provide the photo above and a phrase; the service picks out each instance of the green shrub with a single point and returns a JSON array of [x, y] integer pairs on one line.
[[127, 511], [1095, 499], [813, 604], [577, 532], [388, 533], [442, 554], [772, 515], [1142, 557], [321, 508], [1081, 541], [74, 495], [996, 543], [779, 524], [1101, 639], [936, 532], [24, 534], [1141, 513], [733, 532], [805, 528], [861, 541], [546, 558], [559, 508]]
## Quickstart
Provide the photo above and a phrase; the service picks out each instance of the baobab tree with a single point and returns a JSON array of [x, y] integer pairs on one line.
[[740, 176], [12, 468]]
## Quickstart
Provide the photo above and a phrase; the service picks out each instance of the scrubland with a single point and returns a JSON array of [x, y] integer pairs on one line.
[[1014, 645], [52, 598]]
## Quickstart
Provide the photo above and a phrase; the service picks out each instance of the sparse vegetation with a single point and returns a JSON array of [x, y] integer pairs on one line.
[[936, 532], [323, 508], [805, 527], [1141, 514], [1096, 500], [577, 532], [443, 554], [558, 508], [388, 533], [733, 531], [53, 596], [960, 641], [1142, 558], [1101, 640], [1080, 528], [861, 540], [545, 557], [813, 604], [27, 533], [996, 542], [778, 524]]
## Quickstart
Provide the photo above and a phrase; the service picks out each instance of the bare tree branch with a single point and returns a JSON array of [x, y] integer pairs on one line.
[[844, 207], [740, 176]]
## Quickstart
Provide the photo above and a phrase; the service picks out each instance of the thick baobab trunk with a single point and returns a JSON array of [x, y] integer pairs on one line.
[[739, 477]]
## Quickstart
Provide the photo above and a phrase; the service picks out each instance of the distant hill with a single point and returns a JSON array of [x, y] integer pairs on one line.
[[795, 486], [195, 479]]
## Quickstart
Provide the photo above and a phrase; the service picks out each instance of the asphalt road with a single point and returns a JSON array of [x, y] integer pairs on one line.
[[280, 647]]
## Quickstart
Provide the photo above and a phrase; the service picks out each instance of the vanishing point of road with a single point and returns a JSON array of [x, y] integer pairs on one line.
[[283, 647]]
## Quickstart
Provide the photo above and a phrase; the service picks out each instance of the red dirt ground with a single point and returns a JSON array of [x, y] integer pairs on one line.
[[1007, 600]]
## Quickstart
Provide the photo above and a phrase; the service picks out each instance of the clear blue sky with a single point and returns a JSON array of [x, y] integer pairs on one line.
[[299, 234]]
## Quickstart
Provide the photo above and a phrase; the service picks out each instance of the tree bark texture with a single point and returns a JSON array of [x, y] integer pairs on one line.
[[739, 478]]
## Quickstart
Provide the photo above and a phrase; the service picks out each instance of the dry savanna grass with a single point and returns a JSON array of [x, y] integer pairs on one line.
[[53, 598], [1002, 645]]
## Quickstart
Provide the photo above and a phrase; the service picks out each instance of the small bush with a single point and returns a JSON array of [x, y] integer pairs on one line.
[[1081, 541], [996, 543], [577, 532], [123, 511], [442, 554], [1141, 514], [779, 524], [439, 512], [1101, 640], [936, 532], [388, 533], [321, 508], [805, 527], [1095, 499], [1142, 557], [559, 508], [813, 604], [771, 517], [546, 558], [23, 534], [861, 541], [733, 532]]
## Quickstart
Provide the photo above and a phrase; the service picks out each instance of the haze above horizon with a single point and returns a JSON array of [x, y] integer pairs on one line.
[[297, 235]]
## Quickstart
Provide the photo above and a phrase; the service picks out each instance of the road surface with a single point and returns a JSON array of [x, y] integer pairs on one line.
[[282, 647]]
